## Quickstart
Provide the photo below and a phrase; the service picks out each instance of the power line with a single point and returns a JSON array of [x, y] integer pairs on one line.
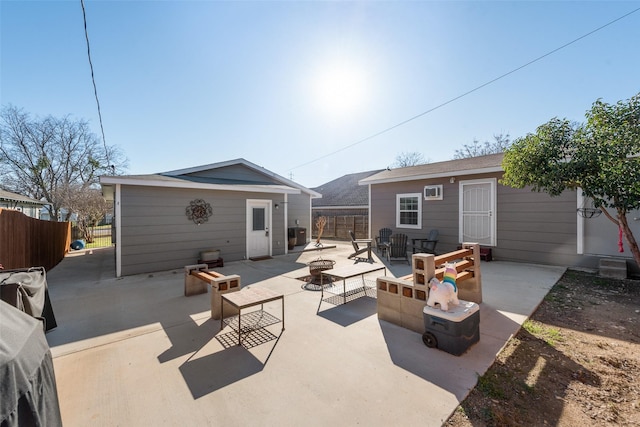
[[95, 89], [469, 91]]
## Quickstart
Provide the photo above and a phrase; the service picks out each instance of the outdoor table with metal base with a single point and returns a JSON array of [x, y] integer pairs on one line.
[[347, 272], [249, 297]]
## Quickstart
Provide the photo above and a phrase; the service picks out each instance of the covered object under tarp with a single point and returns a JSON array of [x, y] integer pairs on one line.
[[26, 289], [27, 379]]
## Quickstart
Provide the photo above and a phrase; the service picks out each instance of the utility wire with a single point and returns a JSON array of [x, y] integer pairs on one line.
[[468, 92], [95, 89]]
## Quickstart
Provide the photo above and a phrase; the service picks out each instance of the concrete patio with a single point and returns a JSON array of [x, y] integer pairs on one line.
[[135, 352]]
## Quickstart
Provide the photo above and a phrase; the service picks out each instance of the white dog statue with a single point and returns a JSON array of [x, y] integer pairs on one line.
[[442, 293]]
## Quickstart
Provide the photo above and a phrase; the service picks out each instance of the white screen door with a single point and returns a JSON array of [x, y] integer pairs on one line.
[[258, 228], [477, 211]]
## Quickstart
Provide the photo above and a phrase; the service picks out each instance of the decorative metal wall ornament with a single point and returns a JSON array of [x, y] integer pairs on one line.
[[199, 211]]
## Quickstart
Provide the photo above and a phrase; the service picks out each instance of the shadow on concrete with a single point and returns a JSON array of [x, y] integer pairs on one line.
[[204, 375], [188, 338], [350, 313], [408, 352]]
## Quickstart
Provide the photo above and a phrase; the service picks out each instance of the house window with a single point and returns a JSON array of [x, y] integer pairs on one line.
[[258, 219], [409, 210]]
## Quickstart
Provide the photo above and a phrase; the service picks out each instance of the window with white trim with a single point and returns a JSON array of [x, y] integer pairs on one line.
[[409, 210]]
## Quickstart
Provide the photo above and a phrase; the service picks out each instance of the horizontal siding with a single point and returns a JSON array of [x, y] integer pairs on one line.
[[157, 235], [436, 214], [299, 207], [535, 227], [531, 226]]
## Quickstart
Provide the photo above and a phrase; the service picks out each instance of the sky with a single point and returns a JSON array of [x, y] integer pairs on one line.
[[313, 90]]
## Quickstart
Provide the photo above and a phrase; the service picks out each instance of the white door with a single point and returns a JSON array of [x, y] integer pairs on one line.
[[258, 228], [477, 212]]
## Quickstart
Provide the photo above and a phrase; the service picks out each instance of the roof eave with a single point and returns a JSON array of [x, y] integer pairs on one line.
[[278, 189], [368, 181]]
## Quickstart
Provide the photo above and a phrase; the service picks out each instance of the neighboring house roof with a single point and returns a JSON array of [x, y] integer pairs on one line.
[[188, 178], [344, 192], [13, 197], [468, 166]]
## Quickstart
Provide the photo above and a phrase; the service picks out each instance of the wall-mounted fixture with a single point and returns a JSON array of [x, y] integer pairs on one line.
[[433, 192], [277, 206], [452, 180], [199, 211]]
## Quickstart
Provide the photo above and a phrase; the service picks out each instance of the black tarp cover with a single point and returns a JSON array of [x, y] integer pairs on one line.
[[27, 379], [27, 290]]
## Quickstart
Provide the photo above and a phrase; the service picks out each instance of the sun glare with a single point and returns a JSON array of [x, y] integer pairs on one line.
[[339, 90]]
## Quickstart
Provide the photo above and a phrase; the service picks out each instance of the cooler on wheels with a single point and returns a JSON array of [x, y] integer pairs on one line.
[[453, 331]]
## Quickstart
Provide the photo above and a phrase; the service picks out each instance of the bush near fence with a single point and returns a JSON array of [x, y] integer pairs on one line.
[[338, 227], [29, 242]]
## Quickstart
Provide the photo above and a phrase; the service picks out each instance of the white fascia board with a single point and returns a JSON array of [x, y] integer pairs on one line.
[[279, 189], [456, 173]]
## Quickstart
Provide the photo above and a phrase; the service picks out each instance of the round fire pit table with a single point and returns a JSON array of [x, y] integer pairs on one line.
[[315, 270]]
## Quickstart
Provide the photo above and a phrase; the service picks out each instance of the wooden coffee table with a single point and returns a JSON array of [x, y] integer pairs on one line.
[[249, 297]]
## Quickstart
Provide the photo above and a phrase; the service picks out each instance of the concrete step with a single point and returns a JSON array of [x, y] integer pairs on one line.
[[613, 268]]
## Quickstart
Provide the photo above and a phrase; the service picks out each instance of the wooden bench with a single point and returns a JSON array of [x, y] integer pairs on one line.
[[401, 300], [197, 280]]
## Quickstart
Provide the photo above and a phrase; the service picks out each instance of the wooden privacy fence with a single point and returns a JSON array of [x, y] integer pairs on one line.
[[28, 242], [338, 226]]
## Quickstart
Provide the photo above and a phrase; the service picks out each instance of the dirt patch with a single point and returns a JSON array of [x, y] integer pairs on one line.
[[575, 362]]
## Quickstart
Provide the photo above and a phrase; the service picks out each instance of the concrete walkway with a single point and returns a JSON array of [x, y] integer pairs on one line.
[[136, 352]]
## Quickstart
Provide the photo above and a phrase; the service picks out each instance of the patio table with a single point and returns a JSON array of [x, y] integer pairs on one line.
[[348, 272], [249, 297]]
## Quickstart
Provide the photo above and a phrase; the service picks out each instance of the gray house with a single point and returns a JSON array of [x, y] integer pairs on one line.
[[464, 200], [164, 221], [26, 205]]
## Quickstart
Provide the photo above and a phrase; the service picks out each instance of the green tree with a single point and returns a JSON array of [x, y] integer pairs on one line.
[[52, 159], [600, 156], [500, 143]]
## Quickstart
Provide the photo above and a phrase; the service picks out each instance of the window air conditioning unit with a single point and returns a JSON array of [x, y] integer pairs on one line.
[[433, 192]]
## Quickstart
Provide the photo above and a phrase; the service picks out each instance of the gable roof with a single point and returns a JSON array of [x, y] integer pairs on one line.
[[344, 191], [13, 197], [468, 166], [193, 178]]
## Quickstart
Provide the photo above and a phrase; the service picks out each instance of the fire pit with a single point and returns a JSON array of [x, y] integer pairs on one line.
[[316, 268]]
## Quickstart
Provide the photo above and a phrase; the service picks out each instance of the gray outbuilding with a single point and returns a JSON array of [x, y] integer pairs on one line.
[[166, 220]]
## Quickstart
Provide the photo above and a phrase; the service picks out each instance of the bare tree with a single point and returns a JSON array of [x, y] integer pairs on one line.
[[413, 158], [52, 159], [476, 148], [90, 208]]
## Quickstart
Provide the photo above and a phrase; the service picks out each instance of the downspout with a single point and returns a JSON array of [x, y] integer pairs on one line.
[[369, 210], [579, 223], [286, 221], [118, 218]]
